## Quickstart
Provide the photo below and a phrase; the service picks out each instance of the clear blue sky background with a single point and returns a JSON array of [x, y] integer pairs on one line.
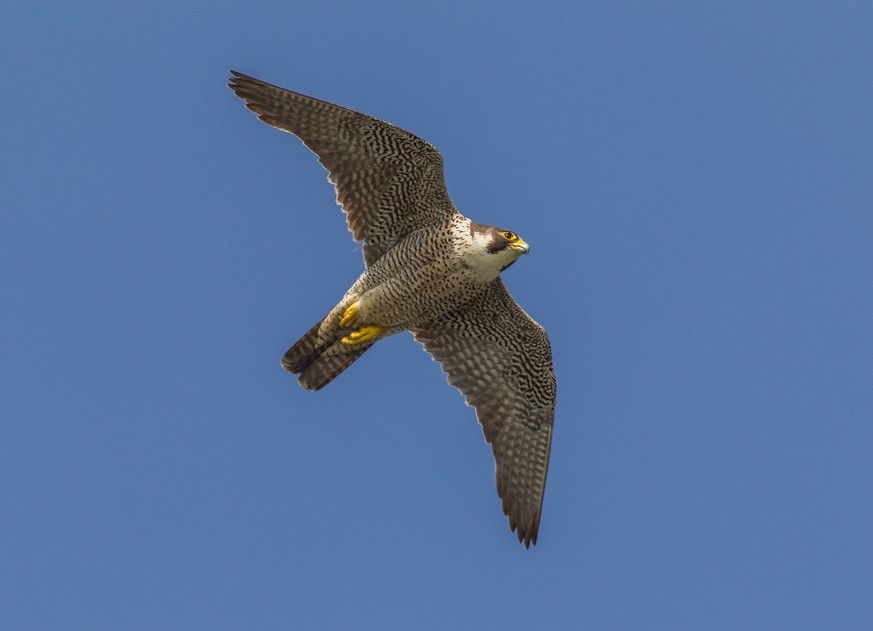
[[696, 182]]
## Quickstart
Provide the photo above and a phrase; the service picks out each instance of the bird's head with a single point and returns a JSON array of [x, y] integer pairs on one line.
[[495, 249], [507, 240], [507, 246]]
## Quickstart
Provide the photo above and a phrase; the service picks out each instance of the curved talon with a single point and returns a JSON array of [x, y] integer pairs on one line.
[[362, 334], [349, 317]]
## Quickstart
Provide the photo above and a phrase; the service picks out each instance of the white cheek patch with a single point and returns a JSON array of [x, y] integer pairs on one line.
[[471, 249], [481, 242], [488, 265]]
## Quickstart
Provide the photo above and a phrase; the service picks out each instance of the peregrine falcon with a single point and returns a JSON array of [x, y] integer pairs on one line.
[[431, 271]]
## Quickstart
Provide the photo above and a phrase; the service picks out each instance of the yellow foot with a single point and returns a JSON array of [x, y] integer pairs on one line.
[[350, 315], [363, 334]]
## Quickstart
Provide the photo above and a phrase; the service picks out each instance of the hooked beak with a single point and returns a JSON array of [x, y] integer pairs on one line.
[[521, 246]]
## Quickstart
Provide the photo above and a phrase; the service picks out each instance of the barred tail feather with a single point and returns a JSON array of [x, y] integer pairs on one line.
[[327, 368], [304, 352], [320, 363]]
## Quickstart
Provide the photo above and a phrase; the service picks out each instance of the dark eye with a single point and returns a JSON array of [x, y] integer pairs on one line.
[[509, 236]]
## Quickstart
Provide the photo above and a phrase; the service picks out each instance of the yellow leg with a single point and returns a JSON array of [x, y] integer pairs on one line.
[[350, 315], [363, 334]]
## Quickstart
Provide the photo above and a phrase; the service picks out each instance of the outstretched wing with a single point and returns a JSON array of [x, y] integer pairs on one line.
[[501, 360], [389, 182]]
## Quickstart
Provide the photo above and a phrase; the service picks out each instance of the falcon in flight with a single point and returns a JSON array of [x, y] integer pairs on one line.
[[431, 271]]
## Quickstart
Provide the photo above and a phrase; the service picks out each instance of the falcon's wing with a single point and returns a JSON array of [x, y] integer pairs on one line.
[[389, 182], [501, 360]]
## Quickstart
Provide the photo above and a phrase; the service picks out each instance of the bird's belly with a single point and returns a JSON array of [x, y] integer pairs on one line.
[[418, 295]]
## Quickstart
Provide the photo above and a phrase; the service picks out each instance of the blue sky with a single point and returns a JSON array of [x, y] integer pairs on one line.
[[696, 182]]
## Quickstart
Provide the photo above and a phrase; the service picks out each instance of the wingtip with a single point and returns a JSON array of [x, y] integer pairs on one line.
[[527, 538], [234, 81], [527, 534], [231, 80]]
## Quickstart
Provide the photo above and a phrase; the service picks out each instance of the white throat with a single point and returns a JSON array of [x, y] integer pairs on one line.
[[485, 265]]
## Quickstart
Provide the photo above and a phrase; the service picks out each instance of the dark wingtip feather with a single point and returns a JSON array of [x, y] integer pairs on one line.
[[244, 86], [527, 535], [232, 80], [526, 531]]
